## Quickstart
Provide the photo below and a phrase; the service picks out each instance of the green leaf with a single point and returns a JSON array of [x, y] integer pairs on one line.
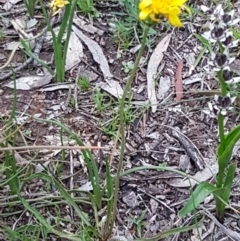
[[42, 220], [12, 173], [198, 195], [227, 188], [94, 177], [236, 34], [204, 41], [224, 154], [71, 202], [110, 193], [65, 195], [172, 232], [32, 55]]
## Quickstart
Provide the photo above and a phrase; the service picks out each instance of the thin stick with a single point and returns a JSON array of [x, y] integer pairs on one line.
[[17, 148]]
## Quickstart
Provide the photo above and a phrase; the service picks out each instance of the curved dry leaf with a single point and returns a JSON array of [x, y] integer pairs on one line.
[[30, 82], [9, 4], [96, 51], [203, 175], [152, 69], [118, 238], [74, 52], [113, 87], [164, 86], [88, 27], [178, 81]]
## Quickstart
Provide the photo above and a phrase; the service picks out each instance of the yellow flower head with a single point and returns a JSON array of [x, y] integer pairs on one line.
[[155, 9], [57, 5]]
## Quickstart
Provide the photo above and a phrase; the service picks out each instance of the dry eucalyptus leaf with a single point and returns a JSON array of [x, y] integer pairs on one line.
[[113, 87], [203, 175], [118, 238], [12, 45], [31, 82], [152, 69], [178, 81], [31, 23], [20, 29], [58, 86], [96, 52], [74, 52], [87, 26], [9, 4], [164, 86], [193, 79]]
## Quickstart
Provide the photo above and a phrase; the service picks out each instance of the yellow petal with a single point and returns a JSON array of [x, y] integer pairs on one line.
[[152, 16], [144, 13], [144, 4], [174, 20], [177, 2]]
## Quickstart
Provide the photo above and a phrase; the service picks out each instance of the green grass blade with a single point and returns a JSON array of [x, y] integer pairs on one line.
[[227, 187], [11, 171], [110, 193], [65, 195], [172, 232], [204, 41], [48, 227], [68, 198], [32, 55], [198, 195]]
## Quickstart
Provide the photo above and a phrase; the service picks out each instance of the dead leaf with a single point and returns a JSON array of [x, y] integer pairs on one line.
[[112, 86], [74, 52], [164, 86], [178, 81], [152, 69], [58, 86], [18, 25], [203, 175], [131, 200], [86, 26], [9, 4], [31, 82], [96, 52], [193, 79]]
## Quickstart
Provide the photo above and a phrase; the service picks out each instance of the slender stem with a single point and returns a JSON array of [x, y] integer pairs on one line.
[[223, 87], [64, 22], [58, 60], [69, 30], [221, 130], [122, 125]]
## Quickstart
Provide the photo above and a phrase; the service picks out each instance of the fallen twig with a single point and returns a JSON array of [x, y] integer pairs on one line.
[[18, 148], [178, 81]]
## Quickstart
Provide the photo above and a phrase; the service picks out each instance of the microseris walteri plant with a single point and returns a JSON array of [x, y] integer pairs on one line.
[[151, 12], [57, 5], [67, 8], [222, 41], [158, 9]]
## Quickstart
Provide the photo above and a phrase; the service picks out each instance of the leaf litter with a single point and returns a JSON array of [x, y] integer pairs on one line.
[[154, 145]]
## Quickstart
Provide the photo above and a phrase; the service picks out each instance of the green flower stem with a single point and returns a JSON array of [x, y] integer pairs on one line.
[[60, 50], [122, 124], [223, 87], [69, 30], [30, 5], [221, 129]]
